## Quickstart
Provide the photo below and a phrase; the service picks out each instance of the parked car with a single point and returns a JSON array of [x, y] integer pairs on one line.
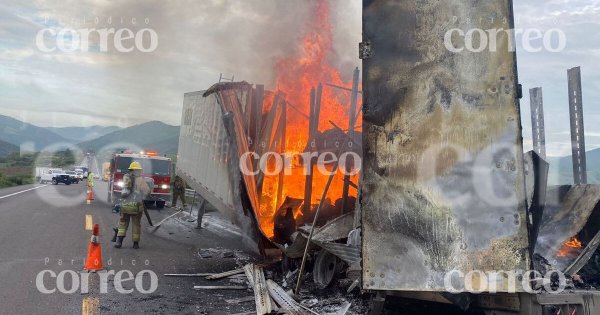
[[73, 176], [82, 169], [79, 172], [39, 170], [55, 176]]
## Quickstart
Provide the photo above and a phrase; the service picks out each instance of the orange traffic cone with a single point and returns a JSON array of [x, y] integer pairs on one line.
[[93, 262], [90, 196]]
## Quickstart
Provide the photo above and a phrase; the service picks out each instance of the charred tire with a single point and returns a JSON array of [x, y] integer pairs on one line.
[[54, 181], [324, 269], [160, 204]]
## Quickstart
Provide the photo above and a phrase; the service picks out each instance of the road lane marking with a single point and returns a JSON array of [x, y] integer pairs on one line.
[[88, 222], [90, 306], [22, 191]]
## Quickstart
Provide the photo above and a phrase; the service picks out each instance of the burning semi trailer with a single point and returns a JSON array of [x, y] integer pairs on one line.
[[255, 156], [443, 199]]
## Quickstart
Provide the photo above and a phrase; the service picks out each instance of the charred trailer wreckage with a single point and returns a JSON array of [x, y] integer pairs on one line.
[[444, 189], [234, 133]]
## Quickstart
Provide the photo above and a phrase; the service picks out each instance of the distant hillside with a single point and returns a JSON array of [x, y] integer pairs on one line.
[[80, 134], [17, 132], [7, 148], [153, 135], [561, 169]]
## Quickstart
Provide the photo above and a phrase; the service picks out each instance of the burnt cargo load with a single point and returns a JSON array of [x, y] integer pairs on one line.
[[443, 183]]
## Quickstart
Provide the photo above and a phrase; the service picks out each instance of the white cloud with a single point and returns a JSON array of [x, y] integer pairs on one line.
[[200, 39]]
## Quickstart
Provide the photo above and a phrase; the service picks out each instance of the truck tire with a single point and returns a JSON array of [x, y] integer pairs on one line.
[[160, 204], [54, 181]]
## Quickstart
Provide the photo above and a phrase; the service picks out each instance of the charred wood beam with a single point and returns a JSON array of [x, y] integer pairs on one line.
[[266, 138], [312, 228], [282, 140], [249, 110], [584, 257], [256, 114], [353, 102], [317, 111], [341, 87], [290, 105], [309, 175]]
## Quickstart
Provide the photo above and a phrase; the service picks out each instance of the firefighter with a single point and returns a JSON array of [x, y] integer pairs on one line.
[[135, 189], [178, 192], [90, 180]]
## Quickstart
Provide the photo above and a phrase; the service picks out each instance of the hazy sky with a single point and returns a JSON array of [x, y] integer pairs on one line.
[[198, 40]]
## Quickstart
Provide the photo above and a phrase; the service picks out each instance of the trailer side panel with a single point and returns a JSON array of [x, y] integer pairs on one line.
[[443, 184]]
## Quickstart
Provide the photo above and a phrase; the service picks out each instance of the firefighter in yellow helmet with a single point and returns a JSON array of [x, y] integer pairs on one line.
[[90, 180], [135, 190]]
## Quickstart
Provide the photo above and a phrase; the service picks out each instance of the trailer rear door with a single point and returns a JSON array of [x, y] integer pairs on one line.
[[443, 185]]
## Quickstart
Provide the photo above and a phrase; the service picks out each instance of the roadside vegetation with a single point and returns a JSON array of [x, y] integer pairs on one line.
[[19, 168]]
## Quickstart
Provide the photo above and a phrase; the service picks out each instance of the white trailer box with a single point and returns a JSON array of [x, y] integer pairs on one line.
[[203, 161]]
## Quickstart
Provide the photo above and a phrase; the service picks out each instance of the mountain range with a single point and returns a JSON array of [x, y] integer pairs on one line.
[[27, 136], [163, 138], [80, 134], [561, 169], [153, 135]]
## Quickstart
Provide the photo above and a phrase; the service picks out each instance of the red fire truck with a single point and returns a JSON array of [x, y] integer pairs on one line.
[[157, 167]]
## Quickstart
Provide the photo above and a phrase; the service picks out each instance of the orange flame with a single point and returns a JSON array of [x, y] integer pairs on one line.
[[295, 76], [569, 246]]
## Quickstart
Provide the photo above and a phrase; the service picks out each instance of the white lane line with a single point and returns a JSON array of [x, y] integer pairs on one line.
[[22, 191], [89, 222], [90, 306]]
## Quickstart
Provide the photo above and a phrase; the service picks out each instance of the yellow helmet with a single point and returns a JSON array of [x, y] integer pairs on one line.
[[135, 165]]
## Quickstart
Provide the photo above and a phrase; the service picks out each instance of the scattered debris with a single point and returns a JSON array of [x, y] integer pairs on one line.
[[225, 274], [284, 300], [205, 253], [261, 295], [309, 302], [240, 300], [220, 287], [353, 285], [344, 309], [228, 254], [188, 274], [156, 226]]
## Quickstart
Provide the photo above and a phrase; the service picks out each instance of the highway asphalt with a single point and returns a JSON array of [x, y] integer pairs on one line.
[[45, 232]]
